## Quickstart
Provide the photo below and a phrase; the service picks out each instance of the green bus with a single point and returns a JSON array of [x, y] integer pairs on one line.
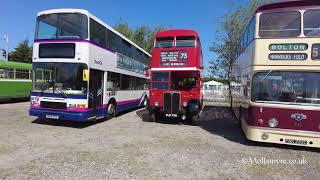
[[15, 80]]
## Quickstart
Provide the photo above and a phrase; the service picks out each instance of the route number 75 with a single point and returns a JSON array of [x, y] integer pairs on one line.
[[183, 56]]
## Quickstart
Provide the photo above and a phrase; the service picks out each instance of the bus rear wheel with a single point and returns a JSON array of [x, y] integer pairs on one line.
[[111, 110]]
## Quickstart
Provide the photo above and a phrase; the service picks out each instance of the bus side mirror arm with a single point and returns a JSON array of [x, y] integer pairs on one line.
[[147, 71]]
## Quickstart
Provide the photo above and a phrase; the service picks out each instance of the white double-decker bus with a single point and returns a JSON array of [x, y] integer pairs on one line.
[[83, 69]]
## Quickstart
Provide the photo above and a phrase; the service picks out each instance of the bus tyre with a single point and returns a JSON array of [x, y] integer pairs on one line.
[[156, 116], [145, 102], [195, 120], [111, 110]]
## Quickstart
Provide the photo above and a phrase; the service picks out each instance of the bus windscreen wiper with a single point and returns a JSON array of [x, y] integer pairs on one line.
[[50, 84], [62, 93]]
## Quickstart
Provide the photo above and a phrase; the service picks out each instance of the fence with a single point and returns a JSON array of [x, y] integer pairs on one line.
[[216, 97]]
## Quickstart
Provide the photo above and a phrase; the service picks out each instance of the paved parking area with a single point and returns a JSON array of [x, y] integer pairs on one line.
[[130, 147]]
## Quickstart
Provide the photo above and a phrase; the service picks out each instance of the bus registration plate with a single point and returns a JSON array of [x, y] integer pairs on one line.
[[171, 115], [49, 116], [293, 141]]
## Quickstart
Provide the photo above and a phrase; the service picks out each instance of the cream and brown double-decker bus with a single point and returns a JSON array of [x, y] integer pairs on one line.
[[275, 79]]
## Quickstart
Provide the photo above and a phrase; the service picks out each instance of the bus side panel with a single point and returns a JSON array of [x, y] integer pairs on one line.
[[242, 72], [15, 88], [101, 58], [129, 99]]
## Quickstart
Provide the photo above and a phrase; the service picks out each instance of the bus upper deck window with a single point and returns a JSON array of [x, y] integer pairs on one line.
[[185, 41], [165, 42], [62, 26], [280, 24], [311, 23]]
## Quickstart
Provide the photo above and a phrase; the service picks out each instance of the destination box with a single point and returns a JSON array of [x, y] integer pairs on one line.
[[169, 56], [288, 47], [288, 56]]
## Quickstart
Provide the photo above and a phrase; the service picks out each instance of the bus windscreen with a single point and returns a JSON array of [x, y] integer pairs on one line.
[[62, 26], [287, 87], [164, 42], [185, 41]]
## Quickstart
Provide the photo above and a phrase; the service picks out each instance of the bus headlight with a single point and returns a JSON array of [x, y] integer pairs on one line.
[[156, 103], [34, 102], [273, 122], [72, 105], [185, 104]]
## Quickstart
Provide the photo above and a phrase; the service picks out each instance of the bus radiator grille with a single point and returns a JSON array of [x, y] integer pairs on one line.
[[53, 105], [171, 103]]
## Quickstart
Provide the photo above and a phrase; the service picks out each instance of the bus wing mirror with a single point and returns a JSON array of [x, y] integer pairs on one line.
[[85, 75]]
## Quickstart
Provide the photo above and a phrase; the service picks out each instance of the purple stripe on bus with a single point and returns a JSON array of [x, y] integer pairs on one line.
[[129, 101], [73, 40]]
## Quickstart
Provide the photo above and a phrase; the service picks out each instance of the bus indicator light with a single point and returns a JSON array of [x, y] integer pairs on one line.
[[81, 106]]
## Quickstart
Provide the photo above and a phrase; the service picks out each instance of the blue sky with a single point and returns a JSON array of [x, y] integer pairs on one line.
[[17, 18]]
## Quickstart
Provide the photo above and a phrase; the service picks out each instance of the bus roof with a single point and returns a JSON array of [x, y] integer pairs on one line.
[[83, 11], [177, 32], [15, 65], [288, 5]]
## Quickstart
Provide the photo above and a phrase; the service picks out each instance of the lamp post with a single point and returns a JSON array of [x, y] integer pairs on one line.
[[6, 38]]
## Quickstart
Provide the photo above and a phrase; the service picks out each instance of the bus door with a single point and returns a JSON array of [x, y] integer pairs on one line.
[[95, 90]]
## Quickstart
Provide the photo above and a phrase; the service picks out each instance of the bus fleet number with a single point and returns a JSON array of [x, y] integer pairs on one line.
[[315, 52]]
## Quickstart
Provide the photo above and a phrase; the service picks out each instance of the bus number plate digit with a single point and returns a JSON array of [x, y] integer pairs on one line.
[[171, 115], [293, 141]]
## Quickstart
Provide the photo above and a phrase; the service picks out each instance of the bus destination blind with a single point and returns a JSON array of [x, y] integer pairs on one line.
[[173, 58]]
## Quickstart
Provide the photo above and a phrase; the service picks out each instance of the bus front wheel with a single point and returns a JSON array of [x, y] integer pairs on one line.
[[145, 102], [194, 120], [156, 115]]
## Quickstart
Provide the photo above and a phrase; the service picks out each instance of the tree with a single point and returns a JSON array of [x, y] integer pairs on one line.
[[22, 53], [207, 79], [227, 38], [143, 36]]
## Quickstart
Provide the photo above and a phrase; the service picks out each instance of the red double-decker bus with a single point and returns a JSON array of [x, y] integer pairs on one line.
[[176, 70]]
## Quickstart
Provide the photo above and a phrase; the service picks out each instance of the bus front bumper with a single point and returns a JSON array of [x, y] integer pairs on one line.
[[60, 115], [281, 136]]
